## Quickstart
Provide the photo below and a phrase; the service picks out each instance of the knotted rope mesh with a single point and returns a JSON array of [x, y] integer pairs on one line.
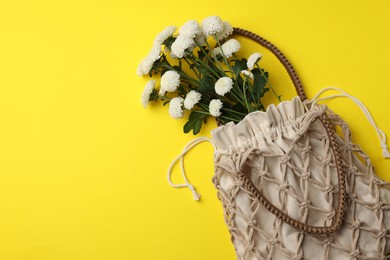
[[286, 153]]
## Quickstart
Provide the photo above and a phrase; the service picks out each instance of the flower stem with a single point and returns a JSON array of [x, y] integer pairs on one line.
[[243, 91], [236, 96], [199, 61], [230, 119], [270, 86], [165, 98], [237, 115], [225, 59], [192, 80], [192, 68], [233, 111], [204, 51], [233, 74], [202, 112], [215, 59]]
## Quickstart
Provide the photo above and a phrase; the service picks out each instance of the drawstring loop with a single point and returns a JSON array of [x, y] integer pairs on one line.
[[380, 133], [309, 104], [180, 157]]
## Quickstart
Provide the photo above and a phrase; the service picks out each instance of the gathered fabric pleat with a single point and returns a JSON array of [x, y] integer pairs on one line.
[[286, 153]]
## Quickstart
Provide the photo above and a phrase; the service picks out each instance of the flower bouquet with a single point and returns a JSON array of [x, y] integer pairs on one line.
[[200, 72], [291, 187]]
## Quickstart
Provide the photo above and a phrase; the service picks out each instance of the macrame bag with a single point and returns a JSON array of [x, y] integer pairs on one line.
[[293, 188]]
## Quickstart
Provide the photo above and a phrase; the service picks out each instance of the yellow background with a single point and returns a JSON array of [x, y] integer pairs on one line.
[[83, 165]]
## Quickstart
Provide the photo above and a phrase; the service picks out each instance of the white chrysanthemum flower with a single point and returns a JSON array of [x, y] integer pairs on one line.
[[212, 25], [228, 48], [165, 34], [147, 63], [175, 107], [143, 66], [253, 59], [223, 85], [227, 30], [192, 98], [247, 73], [189, 29], [155, 52], [173, 56], [169, 82], [216, 51], [168, 51], [215, 107], [200, 38], [161, 92], [180, 45], [149, 87]]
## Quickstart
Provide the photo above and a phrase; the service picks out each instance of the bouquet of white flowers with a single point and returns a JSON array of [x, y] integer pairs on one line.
[[201, 72], [291, 186]]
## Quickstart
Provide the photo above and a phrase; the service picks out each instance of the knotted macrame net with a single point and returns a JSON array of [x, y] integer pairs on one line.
[[286, 153]]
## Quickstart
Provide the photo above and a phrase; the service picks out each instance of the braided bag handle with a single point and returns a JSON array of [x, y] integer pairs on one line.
[[251, 187], [290, 69]]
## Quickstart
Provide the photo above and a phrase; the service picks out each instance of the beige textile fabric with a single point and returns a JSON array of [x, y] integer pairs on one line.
[[286, 153]]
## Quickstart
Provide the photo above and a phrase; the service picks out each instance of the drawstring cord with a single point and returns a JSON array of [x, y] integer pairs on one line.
[[180, 157], [312, 102], [380, 133]]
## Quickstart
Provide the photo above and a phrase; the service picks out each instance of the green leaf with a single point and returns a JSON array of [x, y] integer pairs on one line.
[[194, 122], [239, 108], [201, 55], [181, 91], [168, 42], [259, 82], [216, 69], [219, 57], [156, 66], [202, 70], [154, 96], [177, 68], [238, 66], [206, 85], [193, 65]]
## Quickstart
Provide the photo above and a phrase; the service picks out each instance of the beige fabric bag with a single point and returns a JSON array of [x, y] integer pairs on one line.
[[293, 189]]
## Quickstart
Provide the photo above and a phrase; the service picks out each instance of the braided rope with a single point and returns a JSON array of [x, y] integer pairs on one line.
[[290, 69], [340, 209]]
